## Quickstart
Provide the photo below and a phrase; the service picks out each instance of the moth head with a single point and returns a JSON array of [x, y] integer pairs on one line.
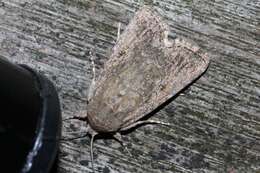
[[101, 117]]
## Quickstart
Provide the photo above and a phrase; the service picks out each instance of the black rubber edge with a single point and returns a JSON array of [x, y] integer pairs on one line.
[[46, 143]]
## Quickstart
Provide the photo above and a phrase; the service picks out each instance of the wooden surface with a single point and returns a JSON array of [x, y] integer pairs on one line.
[[216, 123]]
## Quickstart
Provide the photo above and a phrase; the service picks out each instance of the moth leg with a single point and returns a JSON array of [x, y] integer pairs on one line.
[[167, 43], [73, 138], [144, 122], [76, 118], [118, 31], [93, 82], [91, 151], [82, 117], [118, 137]]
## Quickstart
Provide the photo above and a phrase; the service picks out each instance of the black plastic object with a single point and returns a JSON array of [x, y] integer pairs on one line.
[[30, 120]]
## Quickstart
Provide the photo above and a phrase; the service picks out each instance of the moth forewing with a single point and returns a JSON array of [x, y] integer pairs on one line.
[[143, 71], [177, 67]]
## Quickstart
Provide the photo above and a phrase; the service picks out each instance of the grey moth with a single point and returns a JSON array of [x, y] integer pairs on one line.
[[144, 70]]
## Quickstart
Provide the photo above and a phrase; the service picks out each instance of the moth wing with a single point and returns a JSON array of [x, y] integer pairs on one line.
[[145, 70]]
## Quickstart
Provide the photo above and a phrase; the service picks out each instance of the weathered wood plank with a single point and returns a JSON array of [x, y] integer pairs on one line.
[[217, 121]]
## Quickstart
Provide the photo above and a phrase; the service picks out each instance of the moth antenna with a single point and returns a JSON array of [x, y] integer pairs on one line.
[[93, 66], [93, 82], [91, 151], [118, 31]]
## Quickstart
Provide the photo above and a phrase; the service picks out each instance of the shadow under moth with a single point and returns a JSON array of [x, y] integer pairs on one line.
[[144, 70]]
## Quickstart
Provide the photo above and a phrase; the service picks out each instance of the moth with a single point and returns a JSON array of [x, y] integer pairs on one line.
[[144, 70]]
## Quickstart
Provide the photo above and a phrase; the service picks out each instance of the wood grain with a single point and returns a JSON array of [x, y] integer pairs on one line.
[[216, 123]]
